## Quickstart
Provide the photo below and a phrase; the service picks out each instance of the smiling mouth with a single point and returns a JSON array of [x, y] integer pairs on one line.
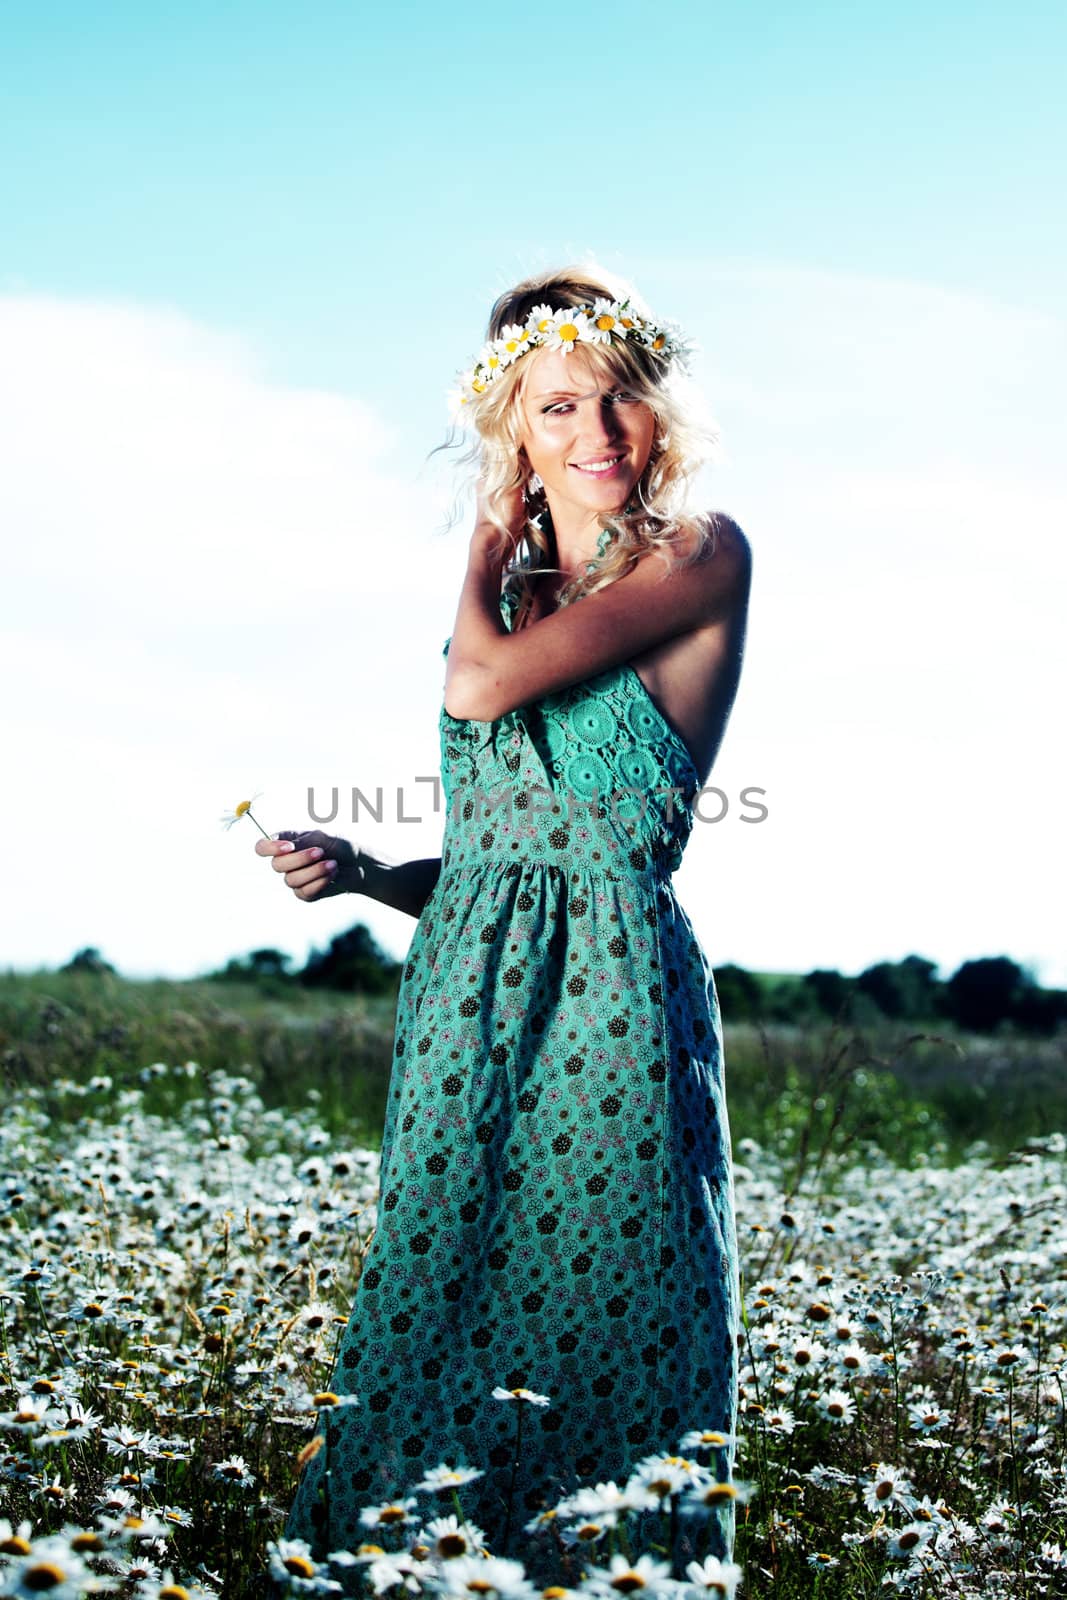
[[598, 469]]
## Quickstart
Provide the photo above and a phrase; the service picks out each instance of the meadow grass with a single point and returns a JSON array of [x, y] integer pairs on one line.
[[186, 1198]]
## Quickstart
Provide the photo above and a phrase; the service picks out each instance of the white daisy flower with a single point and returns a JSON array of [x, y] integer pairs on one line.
[[485, 1577], [715, 1576], [514, 341], [397, 1567], [32, 1412], [905, 1541], [853, 1358], [705, 1439], [541, 319], [234, 1469], [51, 1569], [626, 1577], [520, 1394], [290, 1562], [447, 1478], [707, 1496], [493, 359], [583, 1533], [837, 1405], [452, 1539], [599, 1501], [15, 1541], [391, 1515], [604, 322], [567, 328], [656, 1478], [887, 1486], [927, 1416]]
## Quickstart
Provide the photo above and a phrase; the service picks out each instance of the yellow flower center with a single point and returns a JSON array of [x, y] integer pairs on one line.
[[627, 1582], [14, 1546], [239, 810], [394, 1514], [657, 344], [543, 326], [39, 1579], [450, 1545], [605, 323], [568, 332], [299, 1566], [326, 1398], [173, 1591]]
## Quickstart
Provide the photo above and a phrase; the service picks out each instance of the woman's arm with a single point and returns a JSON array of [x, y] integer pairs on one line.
[[491, 671], [319, 865], [404, 885]]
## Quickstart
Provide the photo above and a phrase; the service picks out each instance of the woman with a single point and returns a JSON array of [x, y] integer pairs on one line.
[[556, 1210]]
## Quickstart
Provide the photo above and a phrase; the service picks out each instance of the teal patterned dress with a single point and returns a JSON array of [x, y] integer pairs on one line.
[[557, 1207]]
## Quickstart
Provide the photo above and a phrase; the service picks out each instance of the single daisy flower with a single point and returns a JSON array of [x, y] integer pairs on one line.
[[447, 1478], [541, 319], [714, 1576], [604, 322], [520, 1394], [243, 808], [566, 329], [514, 341]]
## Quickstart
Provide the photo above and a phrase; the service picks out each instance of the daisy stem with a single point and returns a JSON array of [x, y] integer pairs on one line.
[[514, 1474], [263, 831]]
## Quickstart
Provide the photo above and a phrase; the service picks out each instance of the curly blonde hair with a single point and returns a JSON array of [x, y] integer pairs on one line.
[[655, 519]]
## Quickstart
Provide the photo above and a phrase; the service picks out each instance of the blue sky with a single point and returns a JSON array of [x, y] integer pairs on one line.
[[244, 250]]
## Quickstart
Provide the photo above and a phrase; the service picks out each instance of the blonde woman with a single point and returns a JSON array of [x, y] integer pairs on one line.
[[556, 1218]]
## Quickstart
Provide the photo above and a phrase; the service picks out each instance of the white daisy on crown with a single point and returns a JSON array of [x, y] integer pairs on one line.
[[562, 328]]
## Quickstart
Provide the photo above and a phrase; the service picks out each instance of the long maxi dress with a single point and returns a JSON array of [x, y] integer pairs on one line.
[[556, 1207]]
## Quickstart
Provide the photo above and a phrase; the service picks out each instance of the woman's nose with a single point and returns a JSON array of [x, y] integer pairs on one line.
[[601, 420]]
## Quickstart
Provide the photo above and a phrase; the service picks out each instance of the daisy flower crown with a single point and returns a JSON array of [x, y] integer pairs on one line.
[[561, 328]]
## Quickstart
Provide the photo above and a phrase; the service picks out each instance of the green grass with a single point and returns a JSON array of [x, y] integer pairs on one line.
[[810, 1089]]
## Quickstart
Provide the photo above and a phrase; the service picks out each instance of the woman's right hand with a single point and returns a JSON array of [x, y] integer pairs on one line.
[[315, 865]]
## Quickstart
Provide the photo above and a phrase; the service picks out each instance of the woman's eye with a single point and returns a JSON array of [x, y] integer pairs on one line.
[[625, 397], [557, 410]]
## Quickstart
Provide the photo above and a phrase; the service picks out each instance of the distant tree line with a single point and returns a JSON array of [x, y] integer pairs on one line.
[[981, 996], [353, 963]]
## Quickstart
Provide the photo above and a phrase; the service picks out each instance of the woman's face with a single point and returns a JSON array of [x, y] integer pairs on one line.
[[588, 440]]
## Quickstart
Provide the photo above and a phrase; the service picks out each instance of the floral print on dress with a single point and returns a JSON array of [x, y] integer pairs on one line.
[[557, 1208]]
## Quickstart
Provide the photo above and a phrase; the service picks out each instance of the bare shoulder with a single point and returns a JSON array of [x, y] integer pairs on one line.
[[727, 544], [717, 556]]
